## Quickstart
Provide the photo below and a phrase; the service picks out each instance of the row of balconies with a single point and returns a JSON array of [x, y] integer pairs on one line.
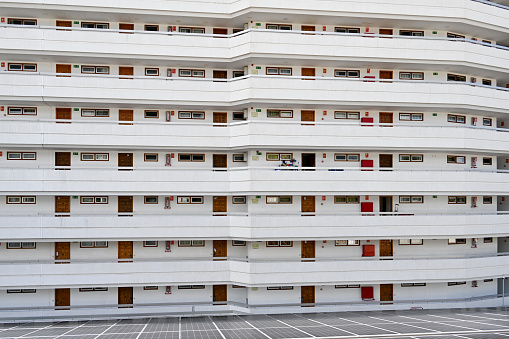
[[29, 89]]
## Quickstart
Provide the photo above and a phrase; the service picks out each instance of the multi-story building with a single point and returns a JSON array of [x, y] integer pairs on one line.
[[245, 156]]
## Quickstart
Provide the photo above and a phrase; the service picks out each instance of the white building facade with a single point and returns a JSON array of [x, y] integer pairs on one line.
[[178, 157]]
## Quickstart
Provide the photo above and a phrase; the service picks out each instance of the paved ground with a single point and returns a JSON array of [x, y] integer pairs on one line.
[[490, 323]]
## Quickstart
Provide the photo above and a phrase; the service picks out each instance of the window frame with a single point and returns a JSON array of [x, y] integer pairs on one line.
[[279, 156], [278, 198], [95, 200], [22, 64], [347, 115], [150, 288], [22, 155], [95, 25], [411, 32], [238, 157], [21, 200], [279, 27], [22, 290], [453, 159], [22, 110], [279, 288], [411, 199], [278, 71], [23, 20], [93, 289], [150, 117], [456, 283], [418, 242], [151, 203], [347, 30], [191, 199], [347, 156], [456, 77], [347, 73], [487, 121], [347, 198], [411, 75], [347, 242], [239, 203], [288, 243], [191, 287], [487, 200], [192, 73], [146, 245], [23, 245], [413, 284], [94, 244], [192, 155], [487, 161], [462, 197], [95, 112], [488, 240], [454, 118], [411, 116], [192, 114], [191, 243], [147, 69], [457, 241], [240, 243], [279, 111], [348, 286], [410, 157], [191, 30], [150, 155], [95, 156]]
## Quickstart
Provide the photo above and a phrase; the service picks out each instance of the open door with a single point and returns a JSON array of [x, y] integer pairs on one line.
[[308, 160], [219, 205], [220, 249], [62, 205], [385, 205], [307, 250], [62, 298], [125, 297], [125, 115], [307, 296], [62, 252], [219, 294], [386, 293], [125, 251]]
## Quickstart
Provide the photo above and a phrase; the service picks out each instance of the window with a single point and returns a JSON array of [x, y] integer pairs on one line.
[[407, 199], [347, 286], [283, 27], [411, 33], [150, 157], [282, 243], [21, 245], [238, 116], [487, 200], [457, 200], [22, 111], [150, 288], [21, 155], [287, 199], [27, 22], [460, 119], [346, 157], [95, 156], [197, 30], [346, 73], [342, 199], [457, 241], [191, 115], [191, 287], [151, 199], [411, 116], [95, 112], [23, 290], [279, 156], [94, 200], [96, 25], [20, 200], [346, 30], [455, 36], [411, 75], [191, 243], [94, 244], [456, 77], [347, 243], [150, 243], [151, 114], [486, 122], [455, 159], [276, 113], [239, 158], [192, 157], [487, 240], [487, 161], [196, 73], [278, 71], [238, 243], [95, 69], [411, 241], [413, 284], [279, 288], [152, 71], [454, 283], [152, 28], [411, 158], [347, 115], [486, 82], [237, 74], [238, 200], [93, 289], [189, 200], [22, 67]]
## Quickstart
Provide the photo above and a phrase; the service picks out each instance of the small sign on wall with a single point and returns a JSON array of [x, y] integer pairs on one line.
[[256, 246], [255, 158], [254, 201]]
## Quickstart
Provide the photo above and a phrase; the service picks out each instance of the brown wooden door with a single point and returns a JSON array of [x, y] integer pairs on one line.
[[62, 252], [307, 116], [219, 294], [385, 31], [63, 69], [386, 293], [64, 23], [219, 160], [219, 205], [307, 249], [385, 160], [386, 75], [220, 118], [307, 203], [308, 72], [386, 248], [385, 118], [125, 204], [220, 75], [223, 31], [62, 298], [125, 250], [123, 70], [125, 160], [63, 113], [126, 27], [62, 158], [125, 297], [125, 115], [62, 204], [307, 28], [220, 249], [307, 295]]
